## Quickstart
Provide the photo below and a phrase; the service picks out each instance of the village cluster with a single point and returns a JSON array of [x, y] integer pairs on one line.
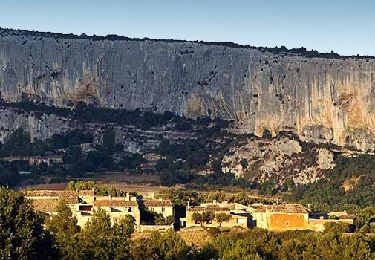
[[278, 217]]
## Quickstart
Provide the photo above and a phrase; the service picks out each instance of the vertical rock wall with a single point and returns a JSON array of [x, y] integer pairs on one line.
[[323, 100]]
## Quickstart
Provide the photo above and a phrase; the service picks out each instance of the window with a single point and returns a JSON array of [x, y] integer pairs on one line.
[[162, 209], [130, 209]]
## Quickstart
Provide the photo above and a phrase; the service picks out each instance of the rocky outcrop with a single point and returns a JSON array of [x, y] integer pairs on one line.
[[39, 127], [278, 159], [323, 100]]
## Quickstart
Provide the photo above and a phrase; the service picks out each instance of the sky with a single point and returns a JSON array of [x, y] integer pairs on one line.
[[346, 27]]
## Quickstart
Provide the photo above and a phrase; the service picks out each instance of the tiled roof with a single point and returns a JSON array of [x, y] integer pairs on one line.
[[157, 203], [69, 197], [260, 209], [45, 205], [287, 208], [209, 209], [115, 203], [49, 193]]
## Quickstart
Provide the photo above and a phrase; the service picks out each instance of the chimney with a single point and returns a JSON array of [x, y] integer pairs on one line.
[[109, 197], [188, 204]]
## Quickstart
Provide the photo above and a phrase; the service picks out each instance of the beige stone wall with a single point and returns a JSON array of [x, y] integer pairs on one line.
[[288, 221], [121, 212], [150, 228], [260, 219], [319, 224], [165, 211], [234, 221], [281, 221]]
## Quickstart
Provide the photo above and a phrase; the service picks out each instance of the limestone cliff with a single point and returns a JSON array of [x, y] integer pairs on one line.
[[324, 100]]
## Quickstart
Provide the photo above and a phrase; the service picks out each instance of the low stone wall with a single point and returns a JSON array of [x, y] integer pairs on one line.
[[150, 228]]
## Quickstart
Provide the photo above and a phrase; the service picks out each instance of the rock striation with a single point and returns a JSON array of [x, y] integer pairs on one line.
[[320, 99]]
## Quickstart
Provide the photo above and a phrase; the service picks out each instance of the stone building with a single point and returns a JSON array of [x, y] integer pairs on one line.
[[35, 160], [47, 200], [294, 217], [118, 208], [84, 203], [163, 207], [281, 217], [237, 216]]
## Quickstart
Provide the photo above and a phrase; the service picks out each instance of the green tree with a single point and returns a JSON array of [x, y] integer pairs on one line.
[[364, 219], [244, 163], [197, 217], [109, 139], [63, 226], [222, 217], [169, 220], [203, 217], [122, 232], [97, 238], [127, 225], [100, 240], [159, 219], [335, 227], [21, 232], [182, 197], [162, 246], [17, 143]]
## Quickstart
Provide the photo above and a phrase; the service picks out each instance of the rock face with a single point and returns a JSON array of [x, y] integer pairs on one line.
[[44, 126], [279, 159], [322, 100]]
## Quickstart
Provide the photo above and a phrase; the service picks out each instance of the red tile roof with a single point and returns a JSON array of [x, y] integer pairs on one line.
[[69, 197], [215, 209], [157, 203], [115, 203], [287, 208], [45, 205]]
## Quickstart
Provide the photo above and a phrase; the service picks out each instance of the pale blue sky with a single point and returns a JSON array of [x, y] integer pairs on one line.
[[346, 26]]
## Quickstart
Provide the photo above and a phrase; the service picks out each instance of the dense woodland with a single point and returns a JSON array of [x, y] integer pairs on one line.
[[329, 193], [26, 234]]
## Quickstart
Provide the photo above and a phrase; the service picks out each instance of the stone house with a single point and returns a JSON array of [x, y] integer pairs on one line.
[[163, 207], [281, 217], [285, 217], [118, 208], [83, 204], [35, 160], [151, 157], [48, 160]]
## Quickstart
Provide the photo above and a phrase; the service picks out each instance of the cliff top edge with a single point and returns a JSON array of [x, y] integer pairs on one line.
[[113, 37]]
